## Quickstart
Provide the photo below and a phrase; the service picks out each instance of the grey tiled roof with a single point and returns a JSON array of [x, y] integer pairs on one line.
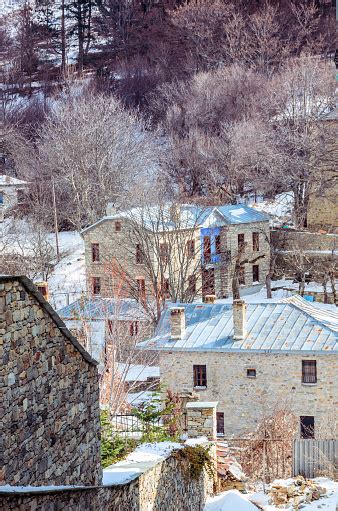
[[292, 325]]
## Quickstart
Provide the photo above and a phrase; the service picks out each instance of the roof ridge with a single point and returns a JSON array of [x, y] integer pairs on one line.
[[313, 312]]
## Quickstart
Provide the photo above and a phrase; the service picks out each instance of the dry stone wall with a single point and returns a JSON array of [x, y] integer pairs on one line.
[[49, 409], [165, 486]]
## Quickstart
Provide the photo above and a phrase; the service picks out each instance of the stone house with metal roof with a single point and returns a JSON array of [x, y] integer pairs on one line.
[[211, 237], [251, 358], [49, 407]]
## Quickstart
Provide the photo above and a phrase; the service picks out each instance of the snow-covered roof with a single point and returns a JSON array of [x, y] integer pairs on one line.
[[292, 325], [160, 218], [87, 309], [136, 372], [11, 181]]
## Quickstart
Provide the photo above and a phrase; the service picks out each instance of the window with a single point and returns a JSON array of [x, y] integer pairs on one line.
[[139, 255], [218, 244], [166, 288], [141, 289], [255, 241], [117, 226], [255, 273], [200, 376], [1, 197], [96, 285], [309, 371], [21, 196], [207, 249], [191, 249], [241, 242], [22, 295], [133, 328], [241, 275], [164, 253], [192, 284], [95, 252], [307, 426], [220, 423], [251, 373]]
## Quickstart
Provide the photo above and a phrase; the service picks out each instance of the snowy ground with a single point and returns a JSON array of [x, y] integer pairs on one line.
[[235, 501], [68, 279]]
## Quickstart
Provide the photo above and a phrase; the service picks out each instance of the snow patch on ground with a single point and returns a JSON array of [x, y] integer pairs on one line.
[[231, 500], [280, 208]]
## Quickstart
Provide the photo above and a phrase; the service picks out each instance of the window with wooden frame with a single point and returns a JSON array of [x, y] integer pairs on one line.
[[220, 423], [255, 241], [307, 426], [133, 329], [241, 275], [164, 253], [192, 284], [251, 373], [207, 249], [191, 249], [166, 288], [139, 255], [200, 375], [255, 273], [118, 226], [96, 285], [218, 244], [141, 289], [241, 242], [95, 252], [309, 371]]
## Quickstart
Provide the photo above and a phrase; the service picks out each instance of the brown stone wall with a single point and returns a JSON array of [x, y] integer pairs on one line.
[[245, 400], [165, 486], [285, 239], [50, 402]]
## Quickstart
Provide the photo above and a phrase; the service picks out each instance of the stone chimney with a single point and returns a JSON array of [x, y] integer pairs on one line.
[[110, 209], [209, 298], [175, 213], [239, 317], [177, 322]]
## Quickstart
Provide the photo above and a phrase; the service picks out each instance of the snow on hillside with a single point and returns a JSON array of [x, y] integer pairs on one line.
[[68, 279], [280, 208]]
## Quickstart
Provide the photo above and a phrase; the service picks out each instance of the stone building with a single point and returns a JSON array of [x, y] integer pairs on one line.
[[189, 244], [252, 358], [323, 204], [12, 192], [50, 395]]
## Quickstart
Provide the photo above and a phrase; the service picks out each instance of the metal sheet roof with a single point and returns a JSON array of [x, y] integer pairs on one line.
[[158, 218], [104, 308], [292, 325]]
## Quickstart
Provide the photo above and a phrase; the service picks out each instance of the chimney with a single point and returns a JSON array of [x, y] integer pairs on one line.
[[110, 209], [175, 213], [239, 317], [43, 289], [209, 298], [177, 322]]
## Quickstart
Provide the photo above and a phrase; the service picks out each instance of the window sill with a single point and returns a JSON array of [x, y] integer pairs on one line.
[[309, 384], [200, 388], [252, 377]]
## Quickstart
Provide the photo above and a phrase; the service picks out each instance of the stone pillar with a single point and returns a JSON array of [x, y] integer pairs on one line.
[[177, 322], [239, 318], [209, 299], [201, 419]]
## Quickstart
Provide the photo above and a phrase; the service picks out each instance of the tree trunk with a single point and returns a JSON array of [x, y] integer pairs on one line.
[[63, 38]]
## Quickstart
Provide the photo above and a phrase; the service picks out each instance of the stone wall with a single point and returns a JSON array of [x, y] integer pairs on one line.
[[50, 406], [285, 239], [243, 400], [164, 487], [201, 419]]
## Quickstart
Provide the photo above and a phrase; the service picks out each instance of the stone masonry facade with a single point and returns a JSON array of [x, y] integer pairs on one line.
[[117, 251], [244, 400], [49, 408]]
